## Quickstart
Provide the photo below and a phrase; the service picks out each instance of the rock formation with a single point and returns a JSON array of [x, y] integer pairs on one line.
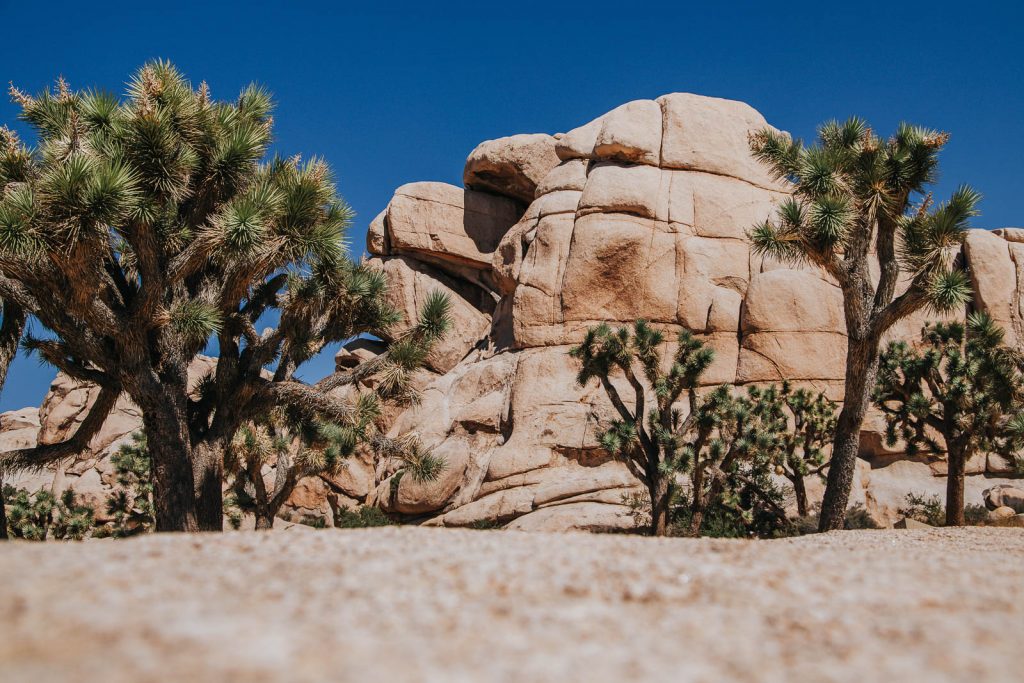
[[640, 213]]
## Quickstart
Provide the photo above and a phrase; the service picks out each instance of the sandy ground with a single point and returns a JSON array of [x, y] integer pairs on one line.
[[418, 604]]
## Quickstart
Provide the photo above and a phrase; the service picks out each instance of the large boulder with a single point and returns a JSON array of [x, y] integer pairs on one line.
[[448, 225], [1005, 495], [511, 166]]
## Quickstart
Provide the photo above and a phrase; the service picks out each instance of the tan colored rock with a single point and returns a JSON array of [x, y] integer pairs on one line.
[[1010, 234], [724, 206], [377, 235], [449, 223], [911, 523], [619, 268], [495, 508], [1008, 495], [610, 475], [356, 352], [720, 261], [1000, 465], [414, 497], [775, 356], [568, 175], [792, 301], [561, 201], [710, 134], [511, 166], [1001, 514], [630, 133], [19, 429], [994, 279], [578, 143], [634, 189], [577, 516], [410, 283]]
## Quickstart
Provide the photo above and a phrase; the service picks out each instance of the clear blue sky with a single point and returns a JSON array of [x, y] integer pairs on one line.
[[394, 95]]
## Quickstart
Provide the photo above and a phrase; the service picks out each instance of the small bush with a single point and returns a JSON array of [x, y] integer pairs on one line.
[[927, 510], [975, 515], [361, 517], [859, 518]]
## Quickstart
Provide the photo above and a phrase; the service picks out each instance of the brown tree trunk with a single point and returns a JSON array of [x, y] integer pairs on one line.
[[10, 334], [208, 474], [264, 520], [3, 511], [861, 368], [801, 495], [697, 519], [167, 440], [659, 492], [956, 461]]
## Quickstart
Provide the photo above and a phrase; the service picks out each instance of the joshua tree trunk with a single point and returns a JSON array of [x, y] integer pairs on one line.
[[264, 520], [3, 511], [10, 334], [801, 494], [956, 460], [170, 449], [697, 505], [861, 368], [659, 492], [208, 474]]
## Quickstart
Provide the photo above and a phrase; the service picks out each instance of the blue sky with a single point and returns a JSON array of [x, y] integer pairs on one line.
[[404, 92]]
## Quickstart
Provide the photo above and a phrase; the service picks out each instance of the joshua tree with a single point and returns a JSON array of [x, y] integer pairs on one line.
[[711, 442], [131, 504], [297, 448], [731, 444], [41, 515], [140, 230], [964, 385], [804, 429], [858, 198]]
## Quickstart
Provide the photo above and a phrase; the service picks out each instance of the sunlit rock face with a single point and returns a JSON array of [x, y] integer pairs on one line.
[[640, 213]]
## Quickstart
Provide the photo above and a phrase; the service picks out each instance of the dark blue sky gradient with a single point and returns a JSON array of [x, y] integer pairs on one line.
[[403, 93]]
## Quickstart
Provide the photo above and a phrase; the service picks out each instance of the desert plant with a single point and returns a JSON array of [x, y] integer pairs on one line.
[[131, 503], [859, 200], [298, 447], [925, 509], [41, 515], [361, 517], [964, 385], [716, 442], [801, 450], [139, 230]]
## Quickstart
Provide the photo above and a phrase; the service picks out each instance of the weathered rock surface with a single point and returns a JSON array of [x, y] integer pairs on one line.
[[643, 214], [1005, 495], [511, 166], [640, 213]]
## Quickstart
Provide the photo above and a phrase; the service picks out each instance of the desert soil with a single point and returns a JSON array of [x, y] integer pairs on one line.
[[417, 604]]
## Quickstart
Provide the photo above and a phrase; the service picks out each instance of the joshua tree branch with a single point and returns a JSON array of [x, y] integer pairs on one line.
[[40, 456]]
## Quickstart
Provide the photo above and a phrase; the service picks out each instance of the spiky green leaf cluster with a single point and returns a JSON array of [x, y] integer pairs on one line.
[[723, 442], [851, 187], [963, 388], [41, 516]]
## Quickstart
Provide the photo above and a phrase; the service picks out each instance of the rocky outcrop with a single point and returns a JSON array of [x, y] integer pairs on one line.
[[640, 213]]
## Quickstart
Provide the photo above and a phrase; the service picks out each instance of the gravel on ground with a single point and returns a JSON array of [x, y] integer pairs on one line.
[[419, 604]]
